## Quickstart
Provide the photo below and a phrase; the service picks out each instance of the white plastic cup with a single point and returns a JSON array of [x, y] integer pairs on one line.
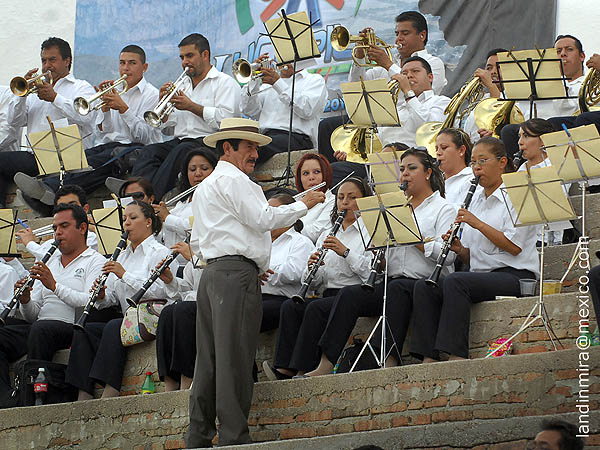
[[527, 286]]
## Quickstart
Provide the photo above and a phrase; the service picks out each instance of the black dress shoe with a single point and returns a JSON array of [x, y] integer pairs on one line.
[[273, 374]]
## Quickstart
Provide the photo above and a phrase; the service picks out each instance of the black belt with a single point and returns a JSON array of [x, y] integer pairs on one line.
[[232, 258]]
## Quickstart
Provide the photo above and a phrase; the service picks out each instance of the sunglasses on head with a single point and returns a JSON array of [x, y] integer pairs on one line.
[[136, 195]]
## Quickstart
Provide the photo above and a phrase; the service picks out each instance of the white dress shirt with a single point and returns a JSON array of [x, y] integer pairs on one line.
[[555, 108], [458, 185], [338, 272], [8, 278], [17, 266], [175, 226], [270, 105], [10, 136], [485, 256], [318, 218], [427, 107], [219, 94], [434, 217], [39, 250], [73, 284], [289, 256], [30, 111], [185, 288], [232, 216], [137, 264], [437, 69], [130, 126]]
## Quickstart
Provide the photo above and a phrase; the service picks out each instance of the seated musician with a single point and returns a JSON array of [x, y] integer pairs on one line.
[[119, 129], [10, 136], [52, 99], [61, 285], [346, 263], [8, 277], [407, 264], [453, 151], [97, 355], [211, 96], [499, 255], [267, 100], [68, 194]]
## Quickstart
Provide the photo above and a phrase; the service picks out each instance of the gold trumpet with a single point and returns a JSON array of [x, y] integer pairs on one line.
[[244, 71], [83, 106], [341, 39], [21, 86], [165, 107], [589, 93]]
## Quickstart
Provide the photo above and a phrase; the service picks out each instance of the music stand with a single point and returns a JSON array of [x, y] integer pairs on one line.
[[385, 171], [391, 222], [531, 75], [8, 244], [58, 150], [538, 198], [294, 42], [109, 227]]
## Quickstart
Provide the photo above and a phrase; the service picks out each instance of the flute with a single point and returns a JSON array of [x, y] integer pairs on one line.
[[300, 296], [314, 188], [439, 265], [28, 283], [156, 272]]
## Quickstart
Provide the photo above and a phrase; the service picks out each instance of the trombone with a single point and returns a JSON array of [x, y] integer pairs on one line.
[[341, 39], [21, 86], [165, 107], [83, 106]]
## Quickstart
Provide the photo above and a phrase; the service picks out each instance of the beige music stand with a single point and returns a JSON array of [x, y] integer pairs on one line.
[[109, 227], [8, 244], [385, 171], [538, 198]]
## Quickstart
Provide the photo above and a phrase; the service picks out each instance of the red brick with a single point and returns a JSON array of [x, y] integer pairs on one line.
[[436, 402], [300, 432], [565, 391], [421, 419], [513, 397], [399, 421], [173, 444], [567, 374], [266, 420], [315, 415], [451, 416], [415, 405]]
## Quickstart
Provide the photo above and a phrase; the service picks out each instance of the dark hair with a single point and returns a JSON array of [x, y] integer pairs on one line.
[[132, 48], [196, 39], [577, 41], [417, 19], [459, 138], [326, 171], [71, 189], [79, 215], [144, 184], [423, 62], [287, 199], [362, 185], [497, 148], [398, 146], [495, 51], [536, 127], [183, 183], [437, 177], [568, 434], [63, 47], [235, 143], [148, 212]]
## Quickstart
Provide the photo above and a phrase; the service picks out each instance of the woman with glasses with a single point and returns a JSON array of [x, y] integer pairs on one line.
[[499, 255], [453, 152]]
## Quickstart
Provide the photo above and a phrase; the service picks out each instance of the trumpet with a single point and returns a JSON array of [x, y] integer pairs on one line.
[[244, 71], [43, 231], [165, 107], [341, 39], [83, 106], [21, 86]]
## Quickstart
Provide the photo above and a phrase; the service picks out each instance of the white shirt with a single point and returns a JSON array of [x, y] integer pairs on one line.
[[185, 288], [458, 185], [318, 218], [485, 256], [137, 264], [289, 256], [232, 216], [10, 136], [434, 217], [8, 278], [270, 105], [338, 272], [17, 266], [557, 107], [437, 69], [73, 284], [39, 250], [30, 111], [427, 107], [130, 126], [175, 226], [219, 94]]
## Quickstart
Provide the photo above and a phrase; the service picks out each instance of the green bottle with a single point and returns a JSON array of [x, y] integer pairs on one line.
[[148, 386], [596, 337]]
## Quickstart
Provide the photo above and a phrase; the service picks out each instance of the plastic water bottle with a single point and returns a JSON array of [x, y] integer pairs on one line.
[[148, 386], [40, 387]]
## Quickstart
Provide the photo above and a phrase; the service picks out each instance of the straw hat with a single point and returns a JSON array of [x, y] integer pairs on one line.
[[236, 128]]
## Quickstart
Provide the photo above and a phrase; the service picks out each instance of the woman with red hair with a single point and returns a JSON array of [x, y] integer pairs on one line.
[[313, 169]]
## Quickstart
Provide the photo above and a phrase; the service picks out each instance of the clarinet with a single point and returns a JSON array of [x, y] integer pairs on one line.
[[156, 272], [301, 295], [28, 283], [518, 159], [100, 282], [439, 265]]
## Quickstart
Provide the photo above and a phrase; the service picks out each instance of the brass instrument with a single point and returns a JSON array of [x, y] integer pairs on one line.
[[21, 86], [244, 71], [492, 114], [460, 106], [589, 93], [83, 106], [355, 143], [165, 107], [341, 39]]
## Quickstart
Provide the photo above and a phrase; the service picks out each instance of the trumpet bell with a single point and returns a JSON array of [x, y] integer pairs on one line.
[[19, 86], [340, 38], [241, 71], [355, 143], [152, 118], [81, 105]]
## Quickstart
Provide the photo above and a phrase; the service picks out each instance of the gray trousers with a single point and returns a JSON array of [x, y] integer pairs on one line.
[[228, 321]]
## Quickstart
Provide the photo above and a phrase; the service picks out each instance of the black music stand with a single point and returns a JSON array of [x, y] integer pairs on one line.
[[294, 41], [109, 227], [8, 244]]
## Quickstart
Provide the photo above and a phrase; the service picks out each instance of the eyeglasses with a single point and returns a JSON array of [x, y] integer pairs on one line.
[[481, 162], [136, 195]]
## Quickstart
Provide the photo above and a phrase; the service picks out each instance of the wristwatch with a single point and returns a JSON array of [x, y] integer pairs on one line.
[[346, 253], [410, 94]]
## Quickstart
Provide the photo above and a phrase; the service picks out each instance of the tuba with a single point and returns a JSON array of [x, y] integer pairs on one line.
[[341, 39], [589, 93], [21, 86], [492, 114], [84, 105]]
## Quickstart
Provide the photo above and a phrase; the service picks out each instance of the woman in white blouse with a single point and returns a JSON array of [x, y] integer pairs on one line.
[[453, 152], [406, 265], [97, 355], [499, 255], [346, 263]]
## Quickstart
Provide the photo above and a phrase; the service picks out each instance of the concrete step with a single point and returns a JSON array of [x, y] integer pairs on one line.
[[557, 258], [592, 213]]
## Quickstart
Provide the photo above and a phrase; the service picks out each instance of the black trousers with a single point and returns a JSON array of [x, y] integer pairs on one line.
[[10, 164], [13, 345], [442, 315], [271, 310], [176, 341], [279, 144], [594, 276], [161, 163], [587, 118], [326, 127]]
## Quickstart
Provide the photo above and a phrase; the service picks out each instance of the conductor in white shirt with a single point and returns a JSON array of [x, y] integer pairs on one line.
[[232, 220]]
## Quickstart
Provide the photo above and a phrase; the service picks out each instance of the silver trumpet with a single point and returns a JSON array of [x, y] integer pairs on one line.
[[165, 107], [244, 71], [83, 106]]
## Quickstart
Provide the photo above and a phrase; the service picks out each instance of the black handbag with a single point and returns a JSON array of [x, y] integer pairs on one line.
[[366, 362], [26, 372]]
